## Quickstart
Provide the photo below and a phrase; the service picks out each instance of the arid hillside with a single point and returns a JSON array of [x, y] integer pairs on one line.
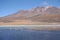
[[38, 15]]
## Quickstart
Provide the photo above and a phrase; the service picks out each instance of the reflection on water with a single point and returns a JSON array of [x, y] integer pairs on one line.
[[26, 34]]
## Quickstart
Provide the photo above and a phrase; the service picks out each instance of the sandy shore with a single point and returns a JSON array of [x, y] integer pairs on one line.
[[35, 27]]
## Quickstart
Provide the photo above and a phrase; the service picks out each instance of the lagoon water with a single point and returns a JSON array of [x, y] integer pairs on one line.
[[7, 33]]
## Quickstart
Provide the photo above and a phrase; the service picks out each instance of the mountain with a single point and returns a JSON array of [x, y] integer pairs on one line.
[[37, 15]]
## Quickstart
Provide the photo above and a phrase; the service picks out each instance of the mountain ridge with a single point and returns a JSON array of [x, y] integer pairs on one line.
[[36, 15]]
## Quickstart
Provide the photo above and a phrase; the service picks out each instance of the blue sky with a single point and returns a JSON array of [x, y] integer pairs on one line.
[[12, 6]]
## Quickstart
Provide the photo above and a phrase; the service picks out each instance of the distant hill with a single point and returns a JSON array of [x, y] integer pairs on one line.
[[38, 15]]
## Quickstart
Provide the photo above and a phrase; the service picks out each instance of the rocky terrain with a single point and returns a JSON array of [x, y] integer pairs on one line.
[[37, 15]]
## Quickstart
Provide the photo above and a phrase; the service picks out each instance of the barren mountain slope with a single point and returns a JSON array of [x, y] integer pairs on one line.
[[38, 15]]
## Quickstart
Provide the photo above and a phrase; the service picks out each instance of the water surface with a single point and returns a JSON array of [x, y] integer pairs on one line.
[[7, 33]]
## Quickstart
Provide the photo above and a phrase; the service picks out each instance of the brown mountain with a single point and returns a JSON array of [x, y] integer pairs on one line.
[[38, 15]]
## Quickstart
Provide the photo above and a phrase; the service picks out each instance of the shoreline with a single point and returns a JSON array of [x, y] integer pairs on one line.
[[33, 27]]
